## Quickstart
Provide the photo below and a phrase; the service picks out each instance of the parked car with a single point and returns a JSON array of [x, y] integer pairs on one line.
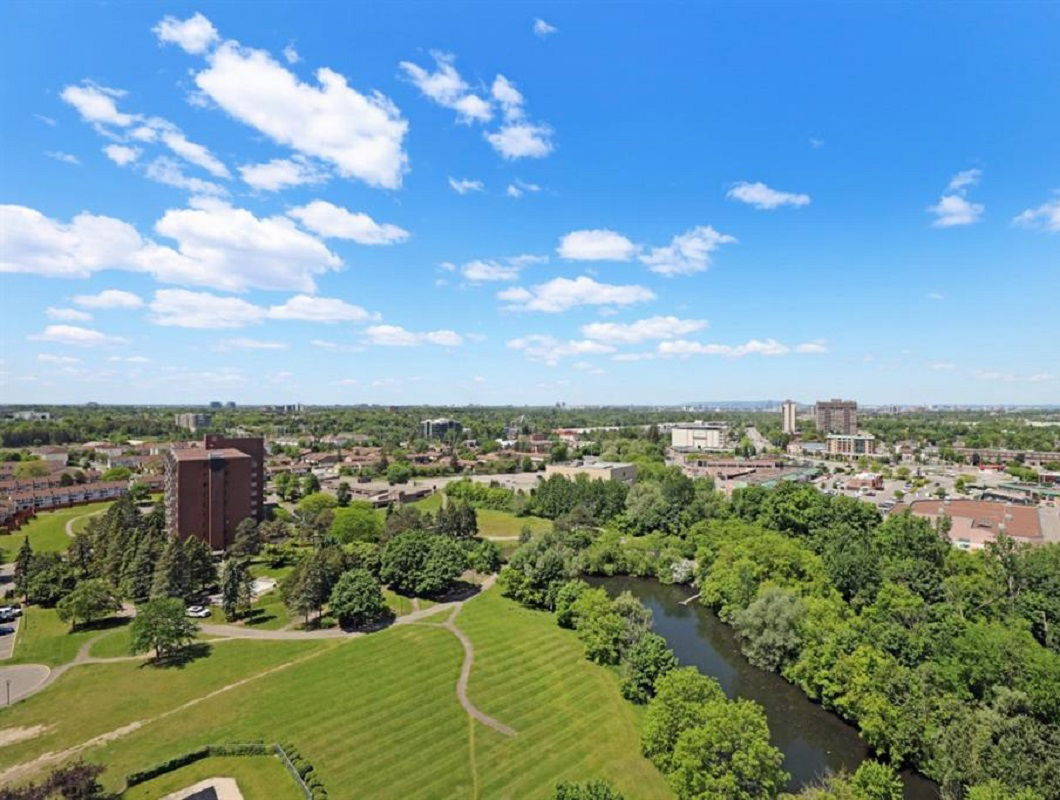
[[13, 610], [5, 630], [199, 612]]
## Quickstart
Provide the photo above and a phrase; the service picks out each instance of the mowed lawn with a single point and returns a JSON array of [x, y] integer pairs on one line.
[[47, 531], [378, 716], [491, 522], [45, 639], [258, 778]]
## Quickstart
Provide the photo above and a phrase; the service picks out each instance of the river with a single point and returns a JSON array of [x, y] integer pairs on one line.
[[813, 740]]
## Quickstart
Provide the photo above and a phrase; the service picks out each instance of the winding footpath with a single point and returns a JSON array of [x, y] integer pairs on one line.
[[70, 522]]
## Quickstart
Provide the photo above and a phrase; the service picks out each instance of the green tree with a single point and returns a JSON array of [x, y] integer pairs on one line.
[[421, 563], [996, 790], [312, 504], [399, 472], [161, 625], [343, 495], [236, 588], [648, 660], [248, 539], [485, 557], [357, 522], [116, 474], [600, 627], [310, 484], [23, 566], [769, 628], [680, 698], [90, 600], [171, 578], [357, 599], [588, 790], [202, 571]]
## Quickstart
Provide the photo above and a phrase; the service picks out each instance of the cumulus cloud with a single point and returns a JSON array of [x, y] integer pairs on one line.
[[67, 314], [121, 154], [507, 269], [183, 309], [290, 55], [51, 358], [396, 336], [764, 347], [522, 140], [561, 294], [166, 170], [687, 253], [596, 245], [66, 158], [361, 135], [196, 34], [763, 197], [320, 309], [642, 330], [333, 222], [446, 88], [549, 350], [465, 185], [109, 298], [954, 209], [542, 28], [282, 173], [75, 335], [97, 104], [1045, 217]]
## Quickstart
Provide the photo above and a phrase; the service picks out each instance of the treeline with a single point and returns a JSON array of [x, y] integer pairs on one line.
[[946, 660]]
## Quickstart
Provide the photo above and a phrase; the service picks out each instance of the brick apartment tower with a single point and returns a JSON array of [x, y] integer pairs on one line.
[[211, 489], [837, 416]]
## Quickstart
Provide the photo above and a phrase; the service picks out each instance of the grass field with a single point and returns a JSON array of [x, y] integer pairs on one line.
[[45, 639], [258, 777], [47, 531], [490, 522], [376, 716]]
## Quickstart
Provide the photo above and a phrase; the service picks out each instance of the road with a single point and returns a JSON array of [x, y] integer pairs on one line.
[[761, 443]]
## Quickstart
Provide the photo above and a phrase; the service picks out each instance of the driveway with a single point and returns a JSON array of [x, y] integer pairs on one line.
[[7, 641], [19, 680]]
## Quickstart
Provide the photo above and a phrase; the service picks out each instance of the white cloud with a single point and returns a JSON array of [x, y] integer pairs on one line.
[[320, 309], [165, 170], [109, 298], [942, 365], [518, 188], [67, 314], [955, 209], [445, 87], [507, 269], [762, 197], [229, 248], [130, 359], [49, 121], [642, 330], [51, 358], [550, 350], [75, 335], [396, 336], [764, 347], [542, 28], [290, 55], [280, 173], [331, 221], [633, 357], [192, 152], [1009, 377], [196, 34], [59, 155], [816, 142], [96, 104], [183, 309], [935, 296], [323, 344], [964, 180], [511, 99], [687, 253], [243, 343], [361, 135], [465, 185], [561, 294], [121, 154], [596, 245], [1045, 217], [522, 140]]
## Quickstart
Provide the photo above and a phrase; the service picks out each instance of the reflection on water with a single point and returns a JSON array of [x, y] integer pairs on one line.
[[814, 741]]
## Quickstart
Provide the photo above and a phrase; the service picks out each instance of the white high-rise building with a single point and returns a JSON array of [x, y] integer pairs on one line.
[[787, 416]]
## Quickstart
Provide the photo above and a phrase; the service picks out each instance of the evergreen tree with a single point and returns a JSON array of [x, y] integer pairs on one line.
[[343, 494], [171, 572], [23, 566], [202, 572], [248, 539], [236, 583]]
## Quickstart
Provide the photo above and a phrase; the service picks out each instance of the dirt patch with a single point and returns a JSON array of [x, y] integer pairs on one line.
[[20, 733]]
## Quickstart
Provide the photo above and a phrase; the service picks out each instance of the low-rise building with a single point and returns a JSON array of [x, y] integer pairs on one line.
[[853, 444], [865, 480], [51, 453], [595, 470], [704, 436], [973, 523]]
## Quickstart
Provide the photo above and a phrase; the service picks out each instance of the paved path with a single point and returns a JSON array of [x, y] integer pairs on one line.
[[24, 679], [7, 641], [465, 674], [70, 522]]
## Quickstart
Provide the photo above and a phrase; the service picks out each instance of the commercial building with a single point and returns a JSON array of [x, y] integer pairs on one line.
[[192, 421], [973, 523], [788, 423], [837, 416], [700, 436], [211, 489], [855, 444], [595, 470], [439, 428]]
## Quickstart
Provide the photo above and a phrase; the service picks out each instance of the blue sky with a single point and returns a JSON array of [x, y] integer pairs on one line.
[[527, 203]]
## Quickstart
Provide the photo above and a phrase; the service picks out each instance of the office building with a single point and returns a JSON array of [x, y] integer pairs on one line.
[[856, 444], [440, 428], [192, 421], [700, 436], [837, 416], [788, 423], [595, 470], [211, 489]]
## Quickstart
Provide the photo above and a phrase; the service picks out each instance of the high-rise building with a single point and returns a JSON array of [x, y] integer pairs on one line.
[[211, 489], [192, 421], [700, 436], [787, 417], [439, 428], [837, 416]]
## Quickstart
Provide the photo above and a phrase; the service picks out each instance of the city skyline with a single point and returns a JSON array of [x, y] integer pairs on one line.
[[638, 207]]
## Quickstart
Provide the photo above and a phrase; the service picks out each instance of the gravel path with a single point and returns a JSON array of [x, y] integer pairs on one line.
[[465, 674]]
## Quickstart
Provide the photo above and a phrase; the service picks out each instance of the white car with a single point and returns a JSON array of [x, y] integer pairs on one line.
[[199, 612]]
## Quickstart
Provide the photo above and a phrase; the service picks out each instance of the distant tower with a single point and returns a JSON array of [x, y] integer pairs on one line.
[[787, 417]]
